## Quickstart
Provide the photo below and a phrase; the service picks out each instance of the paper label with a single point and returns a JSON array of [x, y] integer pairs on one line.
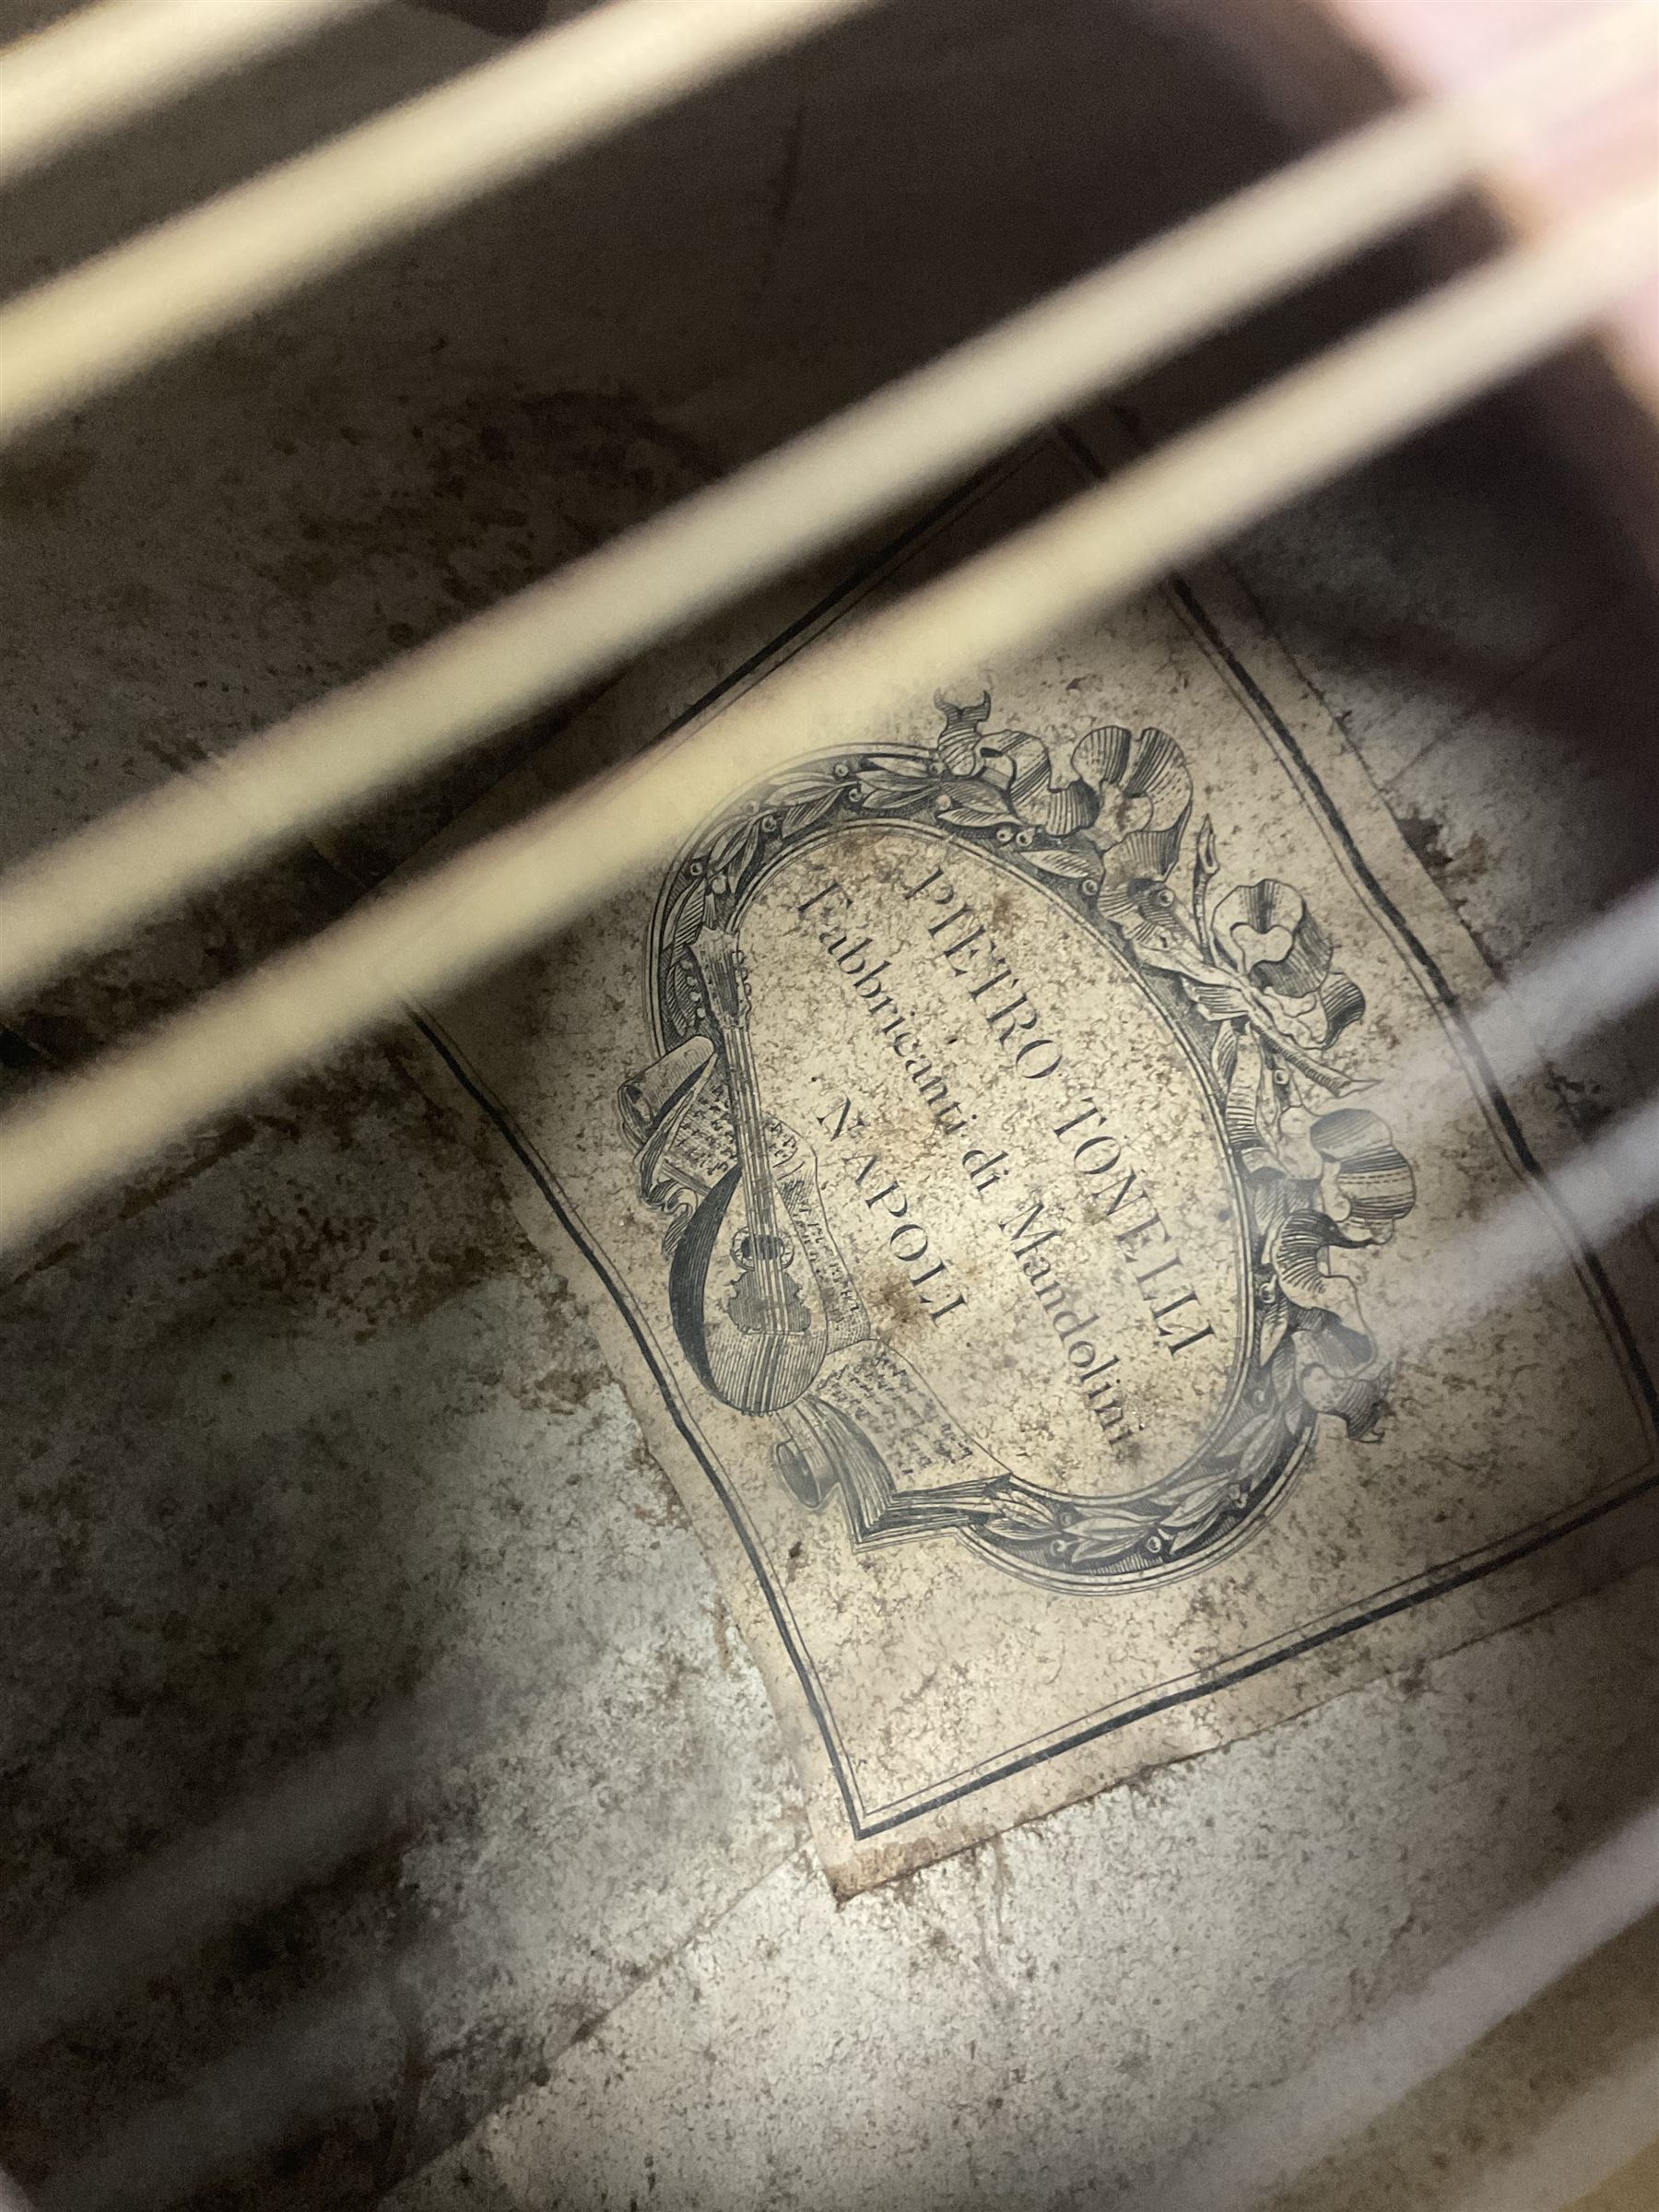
[[978, 1147]]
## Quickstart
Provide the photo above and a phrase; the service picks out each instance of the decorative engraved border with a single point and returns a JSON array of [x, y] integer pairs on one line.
[[1242, 973]]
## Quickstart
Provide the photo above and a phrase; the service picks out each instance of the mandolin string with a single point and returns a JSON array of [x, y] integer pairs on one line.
[[1583, 2158], [110, 63], [510, 889], [913, 437], [1549, 1003], [82, 332], [1375, 2063]]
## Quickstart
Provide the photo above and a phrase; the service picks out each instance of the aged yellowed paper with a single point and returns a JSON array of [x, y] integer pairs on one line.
[[975, 1153]]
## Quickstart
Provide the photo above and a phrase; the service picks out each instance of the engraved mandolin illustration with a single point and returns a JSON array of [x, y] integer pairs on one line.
[[756, 1341]]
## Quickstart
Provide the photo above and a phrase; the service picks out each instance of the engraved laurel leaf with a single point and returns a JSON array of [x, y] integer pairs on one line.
[[1059, 862], [685, 917], [1256, 1446], [1016, 1510], [732, 841], [1105, 1521], [972, 806], [880, 787], [732, 854], [911, 768], [803, 815], [805, 783], [684, 921], [1086, 1549]]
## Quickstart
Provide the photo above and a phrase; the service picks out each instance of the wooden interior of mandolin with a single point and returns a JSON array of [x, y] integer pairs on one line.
[[397, 1811]]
